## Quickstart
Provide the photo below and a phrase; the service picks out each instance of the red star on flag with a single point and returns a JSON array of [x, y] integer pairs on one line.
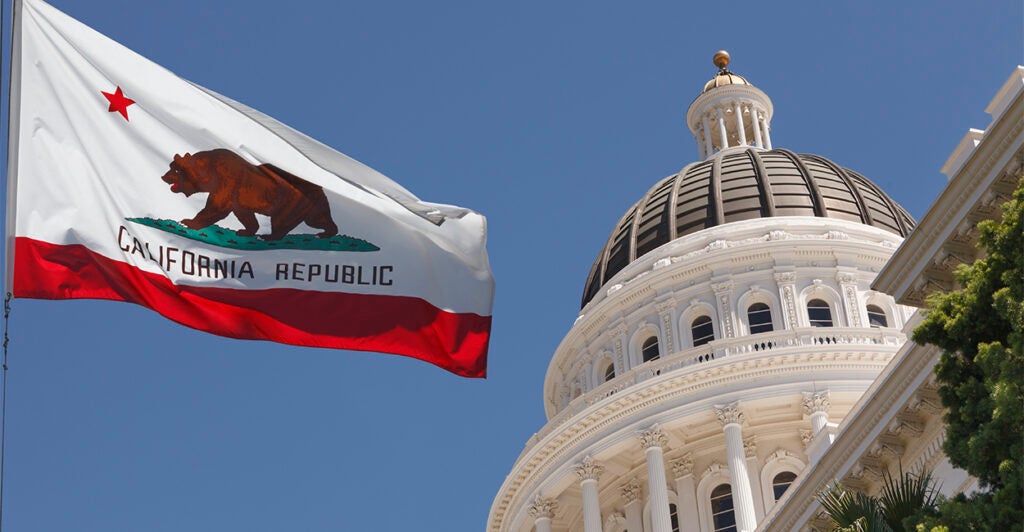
[[118, 102]]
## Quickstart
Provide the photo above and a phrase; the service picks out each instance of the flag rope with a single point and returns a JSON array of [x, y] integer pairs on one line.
[[3, 405]]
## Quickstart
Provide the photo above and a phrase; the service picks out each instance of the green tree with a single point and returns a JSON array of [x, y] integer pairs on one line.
[[980, 330], [902, 503]]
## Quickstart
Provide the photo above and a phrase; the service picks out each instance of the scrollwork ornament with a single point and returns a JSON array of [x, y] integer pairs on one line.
[[814, 402], [589, 469], [653, 437], [682, 466], [729, 414], [631, 491], [543, 507]]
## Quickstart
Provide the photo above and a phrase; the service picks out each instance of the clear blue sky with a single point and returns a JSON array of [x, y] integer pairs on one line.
[[550, 118]]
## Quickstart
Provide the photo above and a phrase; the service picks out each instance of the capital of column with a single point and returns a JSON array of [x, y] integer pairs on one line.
[[543, 507], [785, 277], [722, 287], [814, 402], [653, 437], [682, 466], [729, 414], [589, 469], [631, 491]]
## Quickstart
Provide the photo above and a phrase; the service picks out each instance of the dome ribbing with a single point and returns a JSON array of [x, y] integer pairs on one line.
[[741, 184]]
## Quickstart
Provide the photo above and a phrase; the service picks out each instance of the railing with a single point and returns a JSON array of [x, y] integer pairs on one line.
[[766, 343]]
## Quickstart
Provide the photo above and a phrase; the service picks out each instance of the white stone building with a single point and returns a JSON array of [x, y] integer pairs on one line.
[[728, 330]]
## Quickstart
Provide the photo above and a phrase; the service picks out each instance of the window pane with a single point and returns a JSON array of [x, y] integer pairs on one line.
[[722, 514], [609, 372], [759, 316], [703, 331], [876, 317], [781, 483], [819, 313], [673, 516], [650, 350]]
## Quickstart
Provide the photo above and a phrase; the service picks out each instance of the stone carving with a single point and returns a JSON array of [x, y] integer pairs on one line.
[[729, 414], [653, 437], [806, 436], [682, 466], [666, 320], [543, 507], [589, 469], [750, 447], [785, 277], [724, 286], [814, 402], [631, 491]]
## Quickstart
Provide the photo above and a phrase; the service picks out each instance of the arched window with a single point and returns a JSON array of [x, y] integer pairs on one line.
[[650, 349], [609, 372], [673, 516], [722, 515], [781, 483], [759, 316], [819, 313], [703, 330], [876, 316]]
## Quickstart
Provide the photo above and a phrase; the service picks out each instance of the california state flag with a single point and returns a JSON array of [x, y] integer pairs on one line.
[[129, 183]]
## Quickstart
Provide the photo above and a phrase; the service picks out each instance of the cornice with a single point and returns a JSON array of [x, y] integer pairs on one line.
[[1001, 142]]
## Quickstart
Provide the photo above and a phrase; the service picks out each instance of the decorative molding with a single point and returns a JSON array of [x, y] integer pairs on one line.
[[789, 300], [682, 466], [729, 414], [653, 437], [785, 277], [715, 468], [814, 402], [615, 521], [631, 491], [543, 507], [750, 447], [589, 469], [724, 286], [806, 436]]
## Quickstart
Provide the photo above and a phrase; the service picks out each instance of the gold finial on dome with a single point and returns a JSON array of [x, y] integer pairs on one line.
[[721, 59]]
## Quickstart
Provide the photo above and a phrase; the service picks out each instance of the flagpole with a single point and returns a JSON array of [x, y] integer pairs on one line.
[[9, 221]]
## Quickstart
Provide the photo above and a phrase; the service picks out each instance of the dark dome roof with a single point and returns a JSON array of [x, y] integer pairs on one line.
[[739, 185]]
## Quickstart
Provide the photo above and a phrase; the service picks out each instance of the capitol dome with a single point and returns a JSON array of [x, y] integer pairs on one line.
[[728, 325], [741, 184]]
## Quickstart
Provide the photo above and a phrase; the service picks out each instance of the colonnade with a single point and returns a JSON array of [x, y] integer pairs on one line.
[[716, 125], [742, 468]]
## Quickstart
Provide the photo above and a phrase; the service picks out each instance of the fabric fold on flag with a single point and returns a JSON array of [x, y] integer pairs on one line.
[[128, 183]]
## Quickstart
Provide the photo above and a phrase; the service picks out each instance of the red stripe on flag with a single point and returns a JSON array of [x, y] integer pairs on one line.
[[393, 324]]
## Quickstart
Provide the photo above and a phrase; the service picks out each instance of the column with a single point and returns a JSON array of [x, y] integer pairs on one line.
[[722, 134], [755, 118], [767, 136], [816, 405], [686, 490], [848, 288], [652, 440], [742, 498], [754, 475], [707, 137], [543, 511], [787, 294], [634, 507], [722, 291], [588, 470], [739, 124]]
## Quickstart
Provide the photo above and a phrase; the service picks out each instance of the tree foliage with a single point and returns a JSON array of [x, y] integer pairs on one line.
[[980, 330], [902, 503]]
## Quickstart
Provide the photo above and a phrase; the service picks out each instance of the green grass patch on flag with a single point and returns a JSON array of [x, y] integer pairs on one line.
[[227, 238]]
